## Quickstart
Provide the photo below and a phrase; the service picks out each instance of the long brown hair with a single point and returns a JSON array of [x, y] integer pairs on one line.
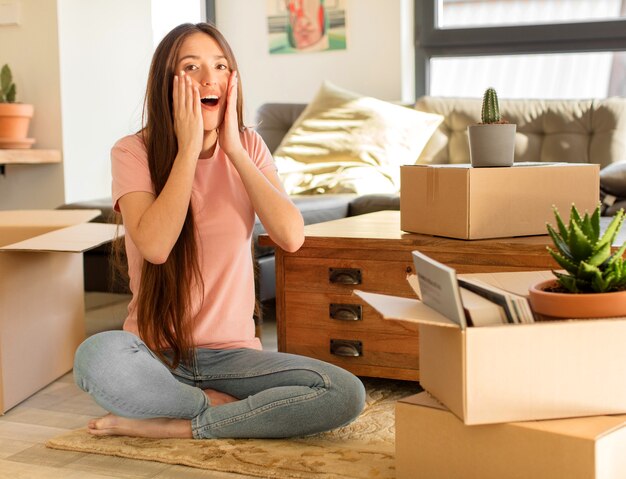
[[164, 306]]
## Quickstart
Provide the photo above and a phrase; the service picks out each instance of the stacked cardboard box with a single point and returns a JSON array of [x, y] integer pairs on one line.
[[433, 443], [459, 201], [489, 376], [41, 295]]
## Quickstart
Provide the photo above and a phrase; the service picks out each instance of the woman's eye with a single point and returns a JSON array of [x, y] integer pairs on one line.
[[221, 66], [191, 68]]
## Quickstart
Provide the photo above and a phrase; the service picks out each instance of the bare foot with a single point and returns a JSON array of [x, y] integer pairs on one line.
[[112, 425], [217, 398]]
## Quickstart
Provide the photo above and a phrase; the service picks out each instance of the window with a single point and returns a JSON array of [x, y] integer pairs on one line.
[[482, 13], [523, 48]]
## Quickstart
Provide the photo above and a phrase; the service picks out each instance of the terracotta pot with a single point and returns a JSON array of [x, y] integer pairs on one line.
[[576, 306], [491, 144], [14, 120]]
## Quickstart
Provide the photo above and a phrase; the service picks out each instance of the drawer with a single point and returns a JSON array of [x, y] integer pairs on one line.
[[344, 275], [340, 312], [334, 345]]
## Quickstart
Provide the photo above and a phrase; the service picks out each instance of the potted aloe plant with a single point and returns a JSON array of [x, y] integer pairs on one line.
[[594, 282], [491, 142], [14, 117]]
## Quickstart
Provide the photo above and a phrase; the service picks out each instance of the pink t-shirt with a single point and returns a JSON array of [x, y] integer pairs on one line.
[[224, 218]]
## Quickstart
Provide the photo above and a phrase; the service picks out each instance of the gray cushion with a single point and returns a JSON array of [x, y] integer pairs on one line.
[[613, 179], [371, 203], [273, 120]]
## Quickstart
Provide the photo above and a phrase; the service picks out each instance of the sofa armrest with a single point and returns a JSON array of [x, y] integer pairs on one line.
[[273, 121]]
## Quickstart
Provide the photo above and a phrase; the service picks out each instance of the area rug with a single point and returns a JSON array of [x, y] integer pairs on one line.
[[363, 449]]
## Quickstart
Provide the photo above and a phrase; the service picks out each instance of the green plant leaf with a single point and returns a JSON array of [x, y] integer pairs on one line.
[[588, 271], [6, 78], [560, 243], [562, 228], [599, 256], [617, 256], [586, 227], [595, 222], [579, 245], [611, 230], [10, 96], [568, 282], [600, 284], [574, 216], [563, 262]]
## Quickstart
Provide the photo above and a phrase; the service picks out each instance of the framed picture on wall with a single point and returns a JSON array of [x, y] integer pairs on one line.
[[299, 26]]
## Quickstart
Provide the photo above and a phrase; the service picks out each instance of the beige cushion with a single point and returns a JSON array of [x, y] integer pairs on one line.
[[575, 131], [347, 143]]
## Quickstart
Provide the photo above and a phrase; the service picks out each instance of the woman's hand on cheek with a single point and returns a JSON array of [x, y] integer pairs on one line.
[[188, 124], [229, 138]]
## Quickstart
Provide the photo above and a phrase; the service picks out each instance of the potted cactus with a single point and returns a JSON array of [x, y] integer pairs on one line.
[[491, 142], [594, 282], [14, 117]]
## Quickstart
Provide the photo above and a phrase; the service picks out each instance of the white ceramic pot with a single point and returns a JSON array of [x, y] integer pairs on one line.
[[491, 144]]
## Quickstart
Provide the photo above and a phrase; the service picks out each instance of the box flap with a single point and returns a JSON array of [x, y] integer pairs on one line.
[[74, 239], [19, 225], [405, 309], [51, 218], [423, 399]]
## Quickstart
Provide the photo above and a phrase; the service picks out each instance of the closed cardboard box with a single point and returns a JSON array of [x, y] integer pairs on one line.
[[516, 372], [432, 443], [459, 201], [42, 308]]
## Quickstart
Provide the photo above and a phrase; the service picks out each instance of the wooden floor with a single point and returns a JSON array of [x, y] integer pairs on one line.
[[61, 406]]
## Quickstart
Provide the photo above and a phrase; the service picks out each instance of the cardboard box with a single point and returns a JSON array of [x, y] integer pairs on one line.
[[432, 443], [42, 308], [516, 372], [459, 201]]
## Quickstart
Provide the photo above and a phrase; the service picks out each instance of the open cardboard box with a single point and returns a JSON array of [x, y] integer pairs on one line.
[[459, 201], [432, 443], [518, 372], [42, 308]]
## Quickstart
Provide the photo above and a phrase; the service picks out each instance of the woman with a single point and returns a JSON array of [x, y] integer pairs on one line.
[[188, 186]]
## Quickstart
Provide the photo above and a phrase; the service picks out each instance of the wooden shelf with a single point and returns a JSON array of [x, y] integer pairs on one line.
[[29, 156]]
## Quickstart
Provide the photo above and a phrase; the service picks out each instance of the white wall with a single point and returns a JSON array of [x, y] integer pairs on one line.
[[83, 64], [372, 63], [31, 50], [167, 14], [105, 50]]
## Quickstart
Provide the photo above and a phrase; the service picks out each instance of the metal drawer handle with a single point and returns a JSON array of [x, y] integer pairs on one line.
[[346, 348], [344, 275], [345, 312]]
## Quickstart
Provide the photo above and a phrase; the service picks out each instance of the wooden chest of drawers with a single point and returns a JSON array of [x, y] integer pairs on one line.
[[326, 321], [318, 316]]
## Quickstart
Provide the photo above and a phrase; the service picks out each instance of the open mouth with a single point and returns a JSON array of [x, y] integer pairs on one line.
[[210, 100]]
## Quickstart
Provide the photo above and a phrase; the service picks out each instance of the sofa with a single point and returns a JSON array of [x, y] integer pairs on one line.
[[581, 131]]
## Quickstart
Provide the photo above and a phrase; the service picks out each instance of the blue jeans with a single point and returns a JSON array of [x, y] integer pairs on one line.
[[280, 395]]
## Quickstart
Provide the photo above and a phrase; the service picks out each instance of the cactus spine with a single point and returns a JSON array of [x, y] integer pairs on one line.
[[491, 110]]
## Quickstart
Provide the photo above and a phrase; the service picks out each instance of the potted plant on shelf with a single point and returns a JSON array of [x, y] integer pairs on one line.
[[594, 282], [14, 117], [491, 142]]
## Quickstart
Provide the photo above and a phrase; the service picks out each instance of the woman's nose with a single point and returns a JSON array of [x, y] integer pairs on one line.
[[207, 79]]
